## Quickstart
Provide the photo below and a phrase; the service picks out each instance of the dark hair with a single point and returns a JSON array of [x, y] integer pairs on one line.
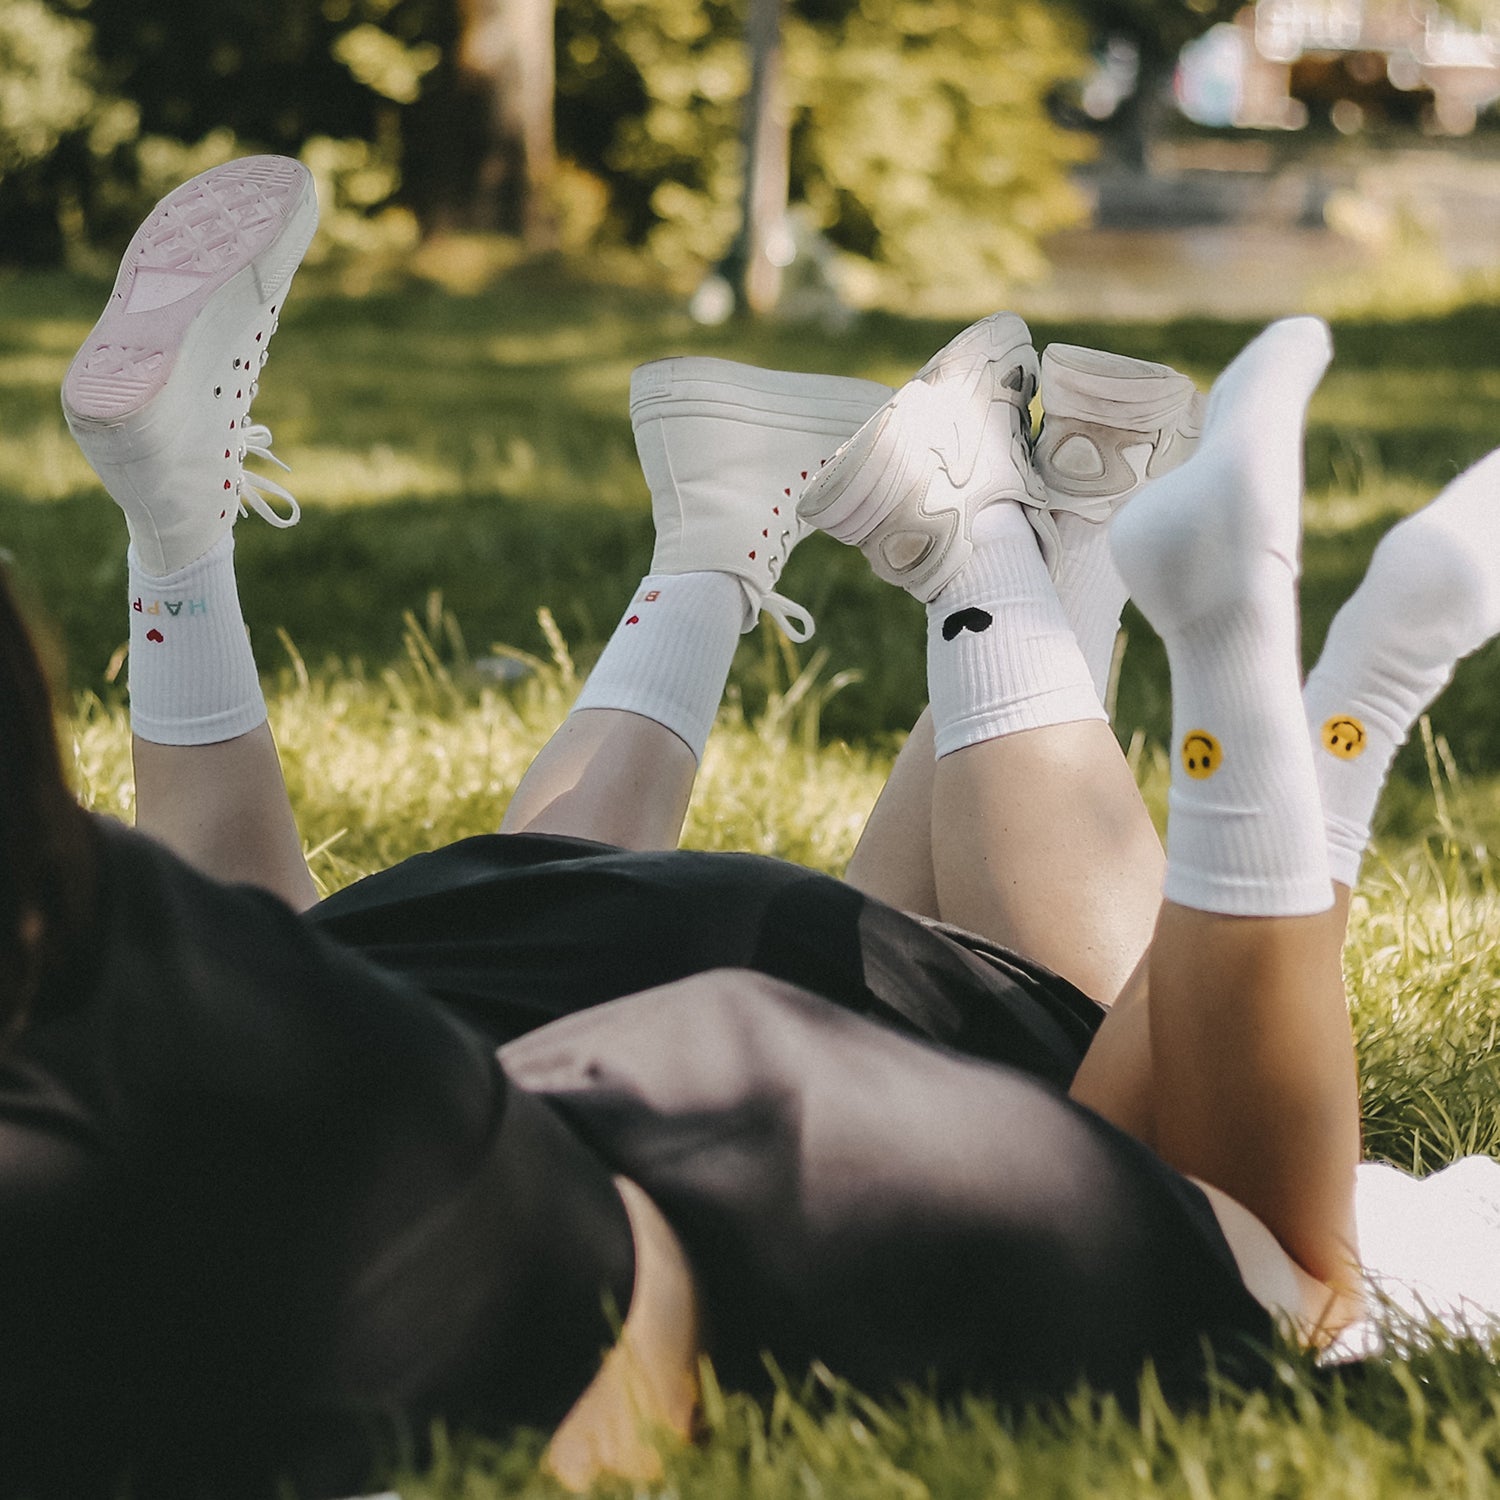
[[46, 864]]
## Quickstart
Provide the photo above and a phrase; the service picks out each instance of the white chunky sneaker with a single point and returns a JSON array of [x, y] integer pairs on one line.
[[956, 438], [1109, 423], [159, 395], [726, 448]]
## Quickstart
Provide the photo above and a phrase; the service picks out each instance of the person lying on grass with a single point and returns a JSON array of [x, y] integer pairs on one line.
[[514, 1132]]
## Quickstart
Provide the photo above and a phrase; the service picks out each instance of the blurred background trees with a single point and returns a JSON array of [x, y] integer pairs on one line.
[[912, 135]]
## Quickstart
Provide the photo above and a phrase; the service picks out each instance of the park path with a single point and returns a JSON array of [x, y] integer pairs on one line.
[[1233, 228]]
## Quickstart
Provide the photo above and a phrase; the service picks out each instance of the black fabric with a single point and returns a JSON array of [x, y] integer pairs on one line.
[[266, 1210], [267, 1206], [515, 930], [900, 1213]]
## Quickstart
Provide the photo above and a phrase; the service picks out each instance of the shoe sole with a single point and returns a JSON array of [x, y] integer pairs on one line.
[[1117, 406], [1112, 390], [213, 256], [866, 483]]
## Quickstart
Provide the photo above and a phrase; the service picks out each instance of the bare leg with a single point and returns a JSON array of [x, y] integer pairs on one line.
[[1041, 842], [1431, 596], [159, 400], [610, 775], [224, 808], [1252, 1065], [1040, 835], [1232, 1092], [893, 859], [1254, 1072], [721, 445], [646, 1392]]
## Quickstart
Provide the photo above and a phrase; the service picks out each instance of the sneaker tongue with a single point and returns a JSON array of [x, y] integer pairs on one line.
[[151, 288]]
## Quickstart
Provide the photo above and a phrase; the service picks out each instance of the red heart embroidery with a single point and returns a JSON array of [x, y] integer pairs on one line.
[[633, 620], [155, 635]]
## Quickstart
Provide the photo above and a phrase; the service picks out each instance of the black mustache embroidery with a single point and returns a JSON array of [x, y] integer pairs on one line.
[[976, 620]]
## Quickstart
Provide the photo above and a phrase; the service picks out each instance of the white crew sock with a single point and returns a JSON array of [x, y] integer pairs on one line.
[[192, 672], [669, 657], [1210, 554], [1001, 656], [1091, 590], [1430, 597]]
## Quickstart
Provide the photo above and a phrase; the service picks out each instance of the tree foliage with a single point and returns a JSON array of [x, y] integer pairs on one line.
[[920, 143]]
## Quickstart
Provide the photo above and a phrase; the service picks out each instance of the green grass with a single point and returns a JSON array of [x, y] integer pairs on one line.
[[383, 764], [466, 463], [481, 446]]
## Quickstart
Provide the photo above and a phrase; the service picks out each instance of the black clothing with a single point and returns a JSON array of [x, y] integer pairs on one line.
[[266, 1204], [263, 1206], [514, 930], [896, 1211]]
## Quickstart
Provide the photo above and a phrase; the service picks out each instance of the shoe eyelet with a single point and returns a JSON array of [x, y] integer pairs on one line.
[[218, 391]]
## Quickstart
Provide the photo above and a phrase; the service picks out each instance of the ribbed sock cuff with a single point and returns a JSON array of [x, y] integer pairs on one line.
[[193, 679], [1001, 656], [669, 656]]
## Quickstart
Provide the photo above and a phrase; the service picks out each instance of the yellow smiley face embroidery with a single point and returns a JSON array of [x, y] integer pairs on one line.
[[1202, 754], [1344, 737]]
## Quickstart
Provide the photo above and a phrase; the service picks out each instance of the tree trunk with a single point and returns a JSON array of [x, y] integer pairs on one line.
[[1138, 122], [754, 265], [506, 58]]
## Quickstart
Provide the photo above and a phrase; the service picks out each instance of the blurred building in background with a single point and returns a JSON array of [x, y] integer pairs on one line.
[[1400, 62]]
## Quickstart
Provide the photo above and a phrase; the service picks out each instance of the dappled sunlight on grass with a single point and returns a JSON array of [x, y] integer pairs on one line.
[[1377, 503], [366, 476], [22, 371], [485, 441], [43, 463], [385, 765]]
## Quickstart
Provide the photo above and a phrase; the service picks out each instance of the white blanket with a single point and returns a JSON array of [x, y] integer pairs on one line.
[[1431, 1252]]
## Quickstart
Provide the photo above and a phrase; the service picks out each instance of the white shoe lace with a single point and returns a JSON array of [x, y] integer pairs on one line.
[[788, 614], [255, 438]]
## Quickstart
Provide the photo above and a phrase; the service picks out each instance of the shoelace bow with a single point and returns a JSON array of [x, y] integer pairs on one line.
[[788, 614], [255, 438]]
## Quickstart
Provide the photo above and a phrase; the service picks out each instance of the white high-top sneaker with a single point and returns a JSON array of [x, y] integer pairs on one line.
[[957, 437], [1109, 423], [159, 395], [726, 449]]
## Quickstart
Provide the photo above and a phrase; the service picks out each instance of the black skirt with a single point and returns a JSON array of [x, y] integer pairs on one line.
[[514, 931]]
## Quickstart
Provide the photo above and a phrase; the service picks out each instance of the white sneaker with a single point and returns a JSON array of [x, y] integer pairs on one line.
[[726, 449], [159, 395], [906, 487], [1109, 423]]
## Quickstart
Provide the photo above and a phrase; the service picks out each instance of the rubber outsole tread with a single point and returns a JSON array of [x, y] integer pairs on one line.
[[200, 236]]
